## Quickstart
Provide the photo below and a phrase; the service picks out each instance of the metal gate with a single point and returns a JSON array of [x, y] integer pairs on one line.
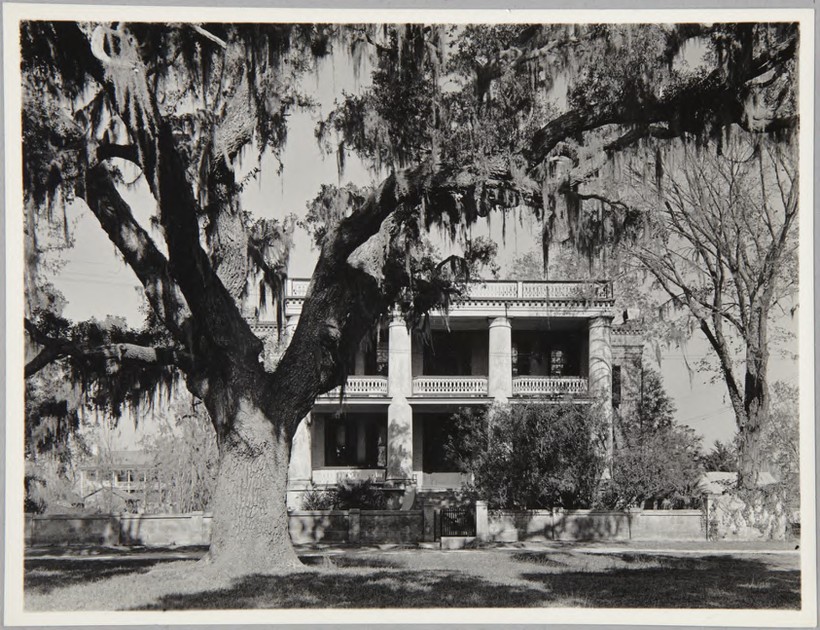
[[456, 522]]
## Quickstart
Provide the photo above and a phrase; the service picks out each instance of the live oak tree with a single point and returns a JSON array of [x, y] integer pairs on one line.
[[461, 122]]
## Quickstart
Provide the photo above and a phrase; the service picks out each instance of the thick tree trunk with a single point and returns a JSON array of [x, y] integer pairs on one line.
[[250, 520]]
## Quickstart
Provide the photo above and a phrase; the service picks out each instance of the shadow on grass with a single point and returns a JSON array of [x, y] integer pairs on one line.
[[353, 589], [43, 576], [652, 581]]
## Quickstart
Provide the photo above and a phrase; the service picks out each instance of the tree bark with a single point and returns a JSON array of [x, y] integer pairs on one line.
[[250, 520]]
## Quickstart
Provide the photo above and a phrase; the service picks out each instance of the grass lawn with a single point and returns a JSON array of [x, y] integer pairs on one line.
[[425, 579]]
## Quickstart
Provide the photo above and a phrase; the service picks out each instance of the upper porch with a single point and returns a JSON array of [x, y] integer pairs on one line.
[[501, 339]]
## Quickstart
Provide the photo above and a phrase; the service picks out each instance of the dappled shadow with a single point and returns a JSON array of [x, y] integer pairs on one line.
[[675, 582], [541, 558], [355, 589], [44, 575], [591, 526], [349, 561]]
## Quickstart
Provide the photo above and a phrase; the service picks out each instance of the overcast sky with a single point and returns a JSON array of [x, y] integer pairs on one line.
[[96, 282]]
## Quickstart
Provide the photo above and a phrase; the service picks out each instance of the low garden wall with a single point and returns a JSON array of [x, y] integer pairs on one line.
[[337, 526], [587, 525], [380, 526]]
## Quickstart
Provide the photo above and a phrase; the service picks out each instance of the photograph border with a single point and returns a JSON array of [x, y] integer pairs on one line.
[[14, 308]]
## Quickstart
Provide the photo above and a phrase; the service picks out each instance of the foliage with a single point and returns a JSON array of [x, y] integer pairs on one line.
[[655, 460], [659, 470], [721, 458], [655, 409], [347, 494], [531, 456], [184, 458], [781, 443]]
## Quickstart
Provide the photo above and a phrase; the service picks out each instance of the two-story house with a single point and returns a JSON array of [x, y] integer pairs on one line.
[[507, 341]]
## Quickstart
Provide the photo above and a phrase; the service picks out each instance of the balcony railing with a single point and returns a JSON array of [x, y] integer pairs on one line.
[[450, 386], [361, 387], [549, 385], [510, 290]]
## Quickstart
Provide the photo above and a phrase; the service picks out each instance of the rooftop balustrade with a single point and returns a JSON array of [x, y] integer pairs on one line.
[[508, 290]]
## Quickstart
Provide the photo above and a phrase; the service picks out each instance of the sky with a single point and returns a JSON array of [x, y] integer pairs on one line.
[[96, 282]]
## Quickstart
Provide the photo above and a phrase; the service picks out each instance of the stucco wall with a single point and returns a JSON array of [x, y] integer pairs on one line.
[[391, 526], [535, 525]]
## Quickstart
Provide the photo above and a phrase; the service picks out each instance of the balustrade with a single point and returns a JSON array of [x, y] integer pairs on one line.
[[549, 385], [450, 385], [362, 386]]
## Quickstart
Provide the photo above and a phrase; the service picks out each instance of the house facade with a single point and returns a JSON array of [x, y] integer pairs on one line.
[[504, 342]]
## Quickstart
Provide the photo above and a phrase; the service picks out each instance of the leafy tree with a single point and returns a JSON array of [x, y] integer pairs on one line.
[[655, 459], [180, 102], [655, 410], [722, 458], [531, 456]]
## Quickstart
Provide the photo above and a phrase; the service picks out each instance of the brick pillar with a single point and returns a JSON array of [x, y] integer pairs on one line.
[[600, 376], [500, 368], [399, 413], [354, 528], [482, 521]]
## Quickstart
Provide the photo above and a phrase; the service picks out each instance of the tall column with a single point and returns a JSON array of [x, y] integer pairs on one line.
[[290, 327], [500, 368], [399, 413], [301, 456], [600, 374]]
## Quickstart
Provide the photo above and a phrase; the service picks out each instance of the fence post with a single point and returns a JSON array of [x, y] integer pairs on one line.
[[354, 525], [482, 521]]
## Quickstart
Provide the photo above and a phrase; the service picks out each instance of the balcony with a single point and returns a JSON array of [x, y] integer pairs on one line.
[[549, 386], [453, 386], [361, 387]]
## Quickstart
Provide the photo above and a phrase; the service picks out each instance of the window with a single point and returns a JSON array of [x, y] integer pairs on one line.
[[359, 441]]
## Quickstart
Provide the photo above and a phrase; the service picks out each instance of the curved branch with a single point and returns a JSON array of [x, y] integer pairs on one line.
[[138, 250]]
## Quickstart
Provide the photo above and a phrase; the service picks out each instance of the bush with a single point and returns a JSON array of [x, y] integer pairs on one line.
[[658, 468], [531, 456], [348, 494]]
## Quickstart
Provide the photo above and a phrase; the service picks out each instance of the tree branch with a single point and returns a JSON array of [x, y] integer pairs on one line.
[[138, 250], [55, 349]]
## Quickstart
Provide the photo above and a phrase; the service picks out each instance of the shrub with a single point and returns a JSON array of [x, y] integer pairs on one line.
[[347, 494], [531, 456], [316, 498]]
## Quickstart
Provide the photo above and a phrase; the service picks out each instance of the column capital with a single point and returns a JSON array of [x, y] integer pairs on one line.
[[600, 320]]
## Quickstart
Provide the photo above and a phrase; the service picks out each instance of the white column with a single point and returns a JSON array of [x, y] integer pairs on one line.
[[500, 368], [600, 372], [301, 456], [399, 361], [399, 413], [290, 327]]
